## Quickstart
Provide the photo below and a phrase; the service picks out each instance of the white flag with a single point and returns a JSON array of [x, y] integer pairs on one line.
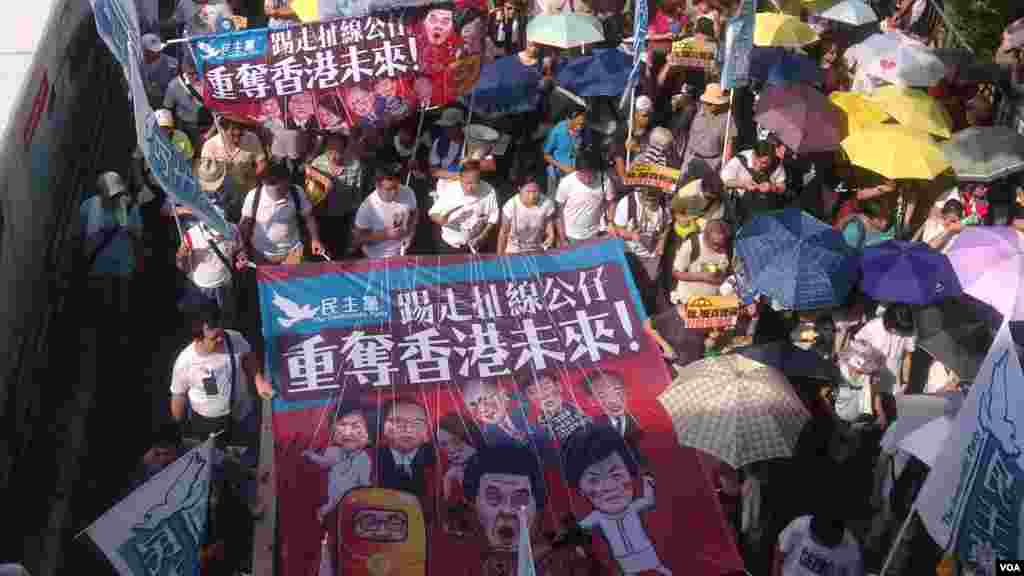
[[159, 528], [971, 502], [524, 555]]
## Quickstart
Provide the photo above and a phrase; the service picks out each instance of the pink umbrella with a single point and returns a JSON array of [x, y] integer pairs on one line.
[[989, 261], [801, 116], [1013, 36]]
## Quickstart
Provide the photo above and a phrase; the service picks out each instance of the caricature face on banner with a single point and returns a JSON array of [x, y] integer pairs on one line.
[[366, 71], [422, 405]]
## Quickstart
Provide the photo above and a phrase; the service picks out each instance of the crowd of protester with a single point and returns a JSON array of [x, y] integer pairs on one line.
[[297, 196]]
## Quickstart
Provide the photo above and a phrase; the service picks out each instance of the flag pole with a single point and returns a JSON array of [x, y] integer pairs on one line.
[[416, 144], [629, 135], [728, 122], [896, 543]]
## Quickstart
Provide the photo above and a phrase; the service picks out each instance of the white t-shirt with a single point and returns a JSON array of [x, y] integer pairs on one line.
[[275, 227], [527, 224], [207, 378], [734, 171], [804, 556], [376, 215], [208, 271], [474, 213], [685, 262], [649, 222], [892, 346], [583, 206]]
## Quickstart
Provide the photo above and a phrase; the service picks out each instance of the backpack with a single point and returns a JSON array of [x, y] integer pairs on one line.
[[294, 192], [633, 209]]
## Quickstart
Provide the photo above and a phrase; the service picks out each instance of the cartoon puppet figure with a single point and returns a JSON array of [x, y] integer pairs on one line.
[[346, 459], [601, 466], [403, 462], [559, 417], [502, 482], [459, 439]]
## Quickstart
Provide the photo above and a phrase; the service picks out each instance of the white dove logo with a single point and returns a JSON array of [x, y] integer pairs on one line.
[[208, 50], [998, 410], [293, 311], [187, 490]]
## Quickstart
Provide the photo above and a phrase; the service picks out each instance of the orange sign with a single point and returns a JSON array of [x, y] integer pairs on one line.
[[712, 311]]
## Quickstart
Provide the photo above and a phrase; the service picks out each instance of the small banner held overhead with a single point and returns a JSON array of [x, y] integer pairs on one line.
[[343, 72], [425, 403]]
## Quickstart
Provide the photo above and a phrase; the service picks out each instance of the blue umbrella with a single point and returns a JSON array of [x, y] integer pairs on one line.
[[603, 73], [796, 260], [907, 272], [780, 66], [505, 86]]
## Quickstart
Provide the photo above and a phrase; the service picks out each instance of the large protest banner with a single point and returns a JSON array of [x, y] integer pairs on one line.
[[973, 500], [344, 72], [424, 401], [118, 26]]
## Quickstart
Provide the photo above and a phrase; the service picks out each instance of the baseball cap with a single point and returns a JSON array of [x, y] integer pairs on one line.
[[152, 43], [164, 118], [111, 184]]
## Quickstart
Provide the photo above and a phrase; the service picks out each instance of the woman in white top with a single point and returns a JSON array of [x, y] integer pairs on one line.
[[528, 222]]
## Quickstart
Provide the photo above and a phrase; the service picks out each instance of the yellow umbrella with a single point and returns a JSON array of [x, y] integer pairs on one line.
[[896, 152], [306, 10], [782, 30], [914, 109], [858, 110]]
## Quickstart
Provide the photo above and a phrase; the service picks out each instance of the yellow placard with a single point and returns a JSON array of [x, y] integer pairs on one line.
[[712, 311], [652, 175]]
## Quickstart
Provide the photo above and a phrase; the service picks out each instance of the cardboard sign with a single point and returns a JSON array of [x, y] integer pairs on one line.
[[693, 54], [712, 311], [652, 175]]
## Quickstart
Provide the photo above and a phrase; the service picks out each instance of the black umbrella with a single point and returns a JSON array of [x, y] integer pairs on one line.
[[956, 333], [793, 361]]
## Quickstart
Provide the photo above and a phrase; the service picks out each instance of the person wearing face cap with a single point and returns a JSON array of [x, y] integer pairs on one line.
[[158, 69], [165, 120], [711, 133], [111, 238]]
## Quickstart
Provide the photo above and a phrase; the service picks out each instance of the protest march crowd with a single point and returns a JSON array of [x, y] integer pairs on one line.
[[836, 205]]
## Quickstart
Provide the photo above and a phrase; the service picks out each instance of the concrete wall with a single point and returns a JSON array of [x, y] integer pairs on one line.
[[52, 149]]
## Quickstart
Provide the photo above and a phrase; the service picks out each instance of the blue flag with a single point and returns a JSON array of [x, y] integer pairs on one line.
[[639, 42], [118, 25], [739, 42], [159, 528]]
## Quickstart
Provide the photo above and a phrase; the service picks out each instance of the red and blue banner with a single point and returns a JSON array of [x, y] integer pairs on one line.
[[424, 402], [344, 72]]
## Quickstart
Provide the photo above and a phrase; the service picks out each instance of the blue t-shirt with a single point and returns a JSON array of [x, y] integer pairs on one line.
[[560, 144], [118, 257]]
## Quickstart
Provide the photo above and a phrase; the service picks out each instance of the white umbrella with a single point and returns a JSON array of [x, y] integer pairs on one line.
[[852, 12], [875, 46], [926, 442], [916, 410], [908, 65]]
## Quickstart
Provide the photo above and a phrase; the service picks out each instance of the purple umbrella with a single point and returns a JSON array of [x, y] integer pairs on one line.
[[989, 260], [907, 272], [801, 116]]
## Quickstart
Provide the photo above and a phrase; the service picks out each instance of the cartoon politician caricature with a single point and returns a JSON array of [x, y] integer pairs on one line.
[[346, 459], [603, 469]]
